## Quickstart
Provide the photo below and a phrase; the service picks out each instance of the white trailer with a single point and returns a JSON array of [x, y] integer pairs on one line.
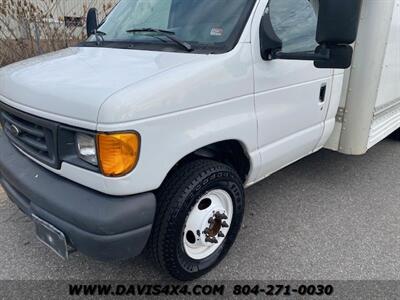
[[370, 104]]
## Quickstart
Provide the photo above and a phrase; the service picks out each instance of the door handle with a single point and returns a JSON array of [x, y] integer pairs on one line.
[[322, 93]]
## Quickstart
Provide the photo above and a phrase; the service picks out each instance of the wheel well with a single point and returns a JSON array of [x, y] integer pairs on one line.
[[230, 152]]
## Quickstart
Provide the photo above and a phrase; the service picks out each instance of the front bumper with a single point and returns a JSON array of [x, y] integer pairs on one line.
[[98, 225]]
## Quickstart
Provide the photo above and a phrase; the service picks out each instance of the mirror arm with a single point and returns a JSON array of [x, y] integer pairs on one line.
[[307, 55]]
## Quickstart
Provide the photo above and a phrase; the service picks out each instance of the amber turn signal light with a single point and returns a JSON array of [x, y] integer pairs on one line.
[[117, 153]]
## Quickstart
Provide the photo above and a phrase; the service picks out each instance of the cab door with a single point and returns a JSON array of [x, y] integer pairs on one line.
[[291, 97]]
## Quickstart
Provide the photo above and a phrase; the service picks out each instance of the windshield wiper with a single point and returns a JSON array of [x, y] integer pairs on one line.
[[166, 33], [99, 35]]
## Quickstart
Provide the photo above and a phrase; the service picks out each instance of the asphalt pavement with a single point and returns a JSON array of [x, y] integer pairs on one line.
[[326, 217]]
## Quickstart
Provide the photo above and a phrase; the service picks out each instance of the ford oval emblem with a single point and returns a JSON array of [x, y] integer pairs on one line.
[[15, 130]]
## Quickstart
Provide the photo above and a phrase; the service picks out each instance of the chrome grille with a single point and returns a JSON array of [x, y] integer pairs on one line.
[[34, 136]]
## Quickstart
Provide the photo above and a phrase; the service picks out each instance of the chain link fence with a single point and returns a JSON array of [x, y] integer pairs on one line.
[[30, 28]]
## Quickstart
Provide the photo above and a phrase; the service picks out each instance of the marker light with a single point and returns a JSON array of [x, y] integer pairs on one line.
[[117, 153]]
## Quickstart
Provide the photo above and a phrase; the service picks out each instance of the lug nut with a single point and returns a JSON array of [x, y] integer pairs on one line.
[[212, 240], [220, 234], [224, 224], [220, 216], [211, 221]]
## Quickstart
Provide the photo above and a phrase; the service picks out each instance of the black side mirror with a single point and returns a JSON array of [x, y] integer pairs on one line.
[[339, 57], [337, 28], [91, 21], [338, 21]]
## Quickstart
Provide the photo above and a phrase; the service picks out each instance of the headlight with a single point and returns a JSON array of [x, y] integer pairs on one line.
[[86, 145], [115, 154], [118, 153]]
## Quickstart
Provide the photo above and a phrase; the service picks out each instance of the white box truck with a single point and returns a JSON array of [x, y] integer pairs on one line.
[[147, 133], [369, 108]]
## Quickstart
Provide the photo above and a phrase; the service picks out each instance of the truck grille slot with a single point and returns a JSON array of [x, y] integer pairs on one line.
[[36, 137]]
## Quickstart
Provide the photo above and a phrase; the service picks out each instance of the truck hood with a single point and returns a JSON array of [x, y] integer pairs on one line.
[[75, 82]]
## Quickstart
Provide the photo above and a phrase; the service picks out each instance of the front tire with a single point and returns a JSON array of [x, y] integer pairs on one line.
[[199, 214], [395, 135]]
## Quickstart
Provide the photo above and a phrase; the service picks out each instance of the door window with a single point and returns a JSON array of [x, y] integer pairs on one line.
[[295, 23]]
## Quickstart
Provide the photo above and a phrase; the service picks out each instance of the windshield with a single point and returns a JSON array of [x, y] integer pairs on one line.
[[204, 24]]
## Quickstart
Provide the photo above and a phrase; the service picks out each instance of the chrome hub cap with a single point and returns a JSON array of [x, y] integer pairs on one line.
[[208, 224]]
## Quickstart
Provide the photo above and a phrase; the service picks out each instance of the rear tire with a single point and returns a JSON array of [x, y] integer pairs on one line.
[[179, 201]]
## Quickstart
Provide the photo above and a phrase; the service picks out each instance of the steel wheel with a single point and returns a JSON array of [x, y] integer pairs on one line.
[[208, 224]]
